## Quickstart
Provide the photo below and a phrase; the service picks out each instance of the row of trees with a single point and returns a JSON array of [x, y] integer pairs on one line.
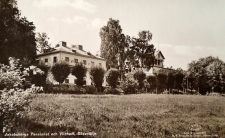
[[206, 75], [61, 70]]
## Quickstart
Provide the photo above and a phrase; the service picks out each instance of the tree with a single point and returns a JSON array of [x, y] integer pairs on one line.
[[208, 72], [42, 42], [112, 76], [140, 76], [178, 80], [161, 81], [170, 81], [140, 53], [39, 79], [113, 44], [79, 71], [97, 76], [17, 37], [152, 80], [60, 71]]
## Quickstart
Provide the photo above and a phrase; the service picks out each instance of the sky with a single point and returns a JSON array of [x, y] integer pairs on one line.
[[184, 30]]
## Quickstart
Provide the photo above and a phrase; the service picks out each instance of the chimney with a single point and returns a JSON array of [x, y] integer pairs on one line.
[[62, 43], [80, 47]]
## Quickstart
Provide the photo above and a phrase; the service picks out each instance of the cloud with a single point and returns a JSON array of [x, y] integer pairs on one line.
[[77, 4], [76, 19], [97, 22], [52, 19]]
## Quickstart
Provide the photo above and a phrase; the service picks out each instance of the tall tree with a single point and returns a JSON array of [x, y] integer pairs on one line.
[[113, 44], [208, 72], [97, 76], [140, 53], [42, 42], [17, 37], [60, 71], [79, 71]]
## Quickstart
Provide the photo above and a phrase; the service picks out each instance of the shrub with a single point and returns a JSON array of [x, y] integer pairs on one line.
[[140, 76], [13, 98], [111, 90], [60, 71], [97, 76], [112, 76], [40, 79], [129, 85], [79, 71], [90, 89]]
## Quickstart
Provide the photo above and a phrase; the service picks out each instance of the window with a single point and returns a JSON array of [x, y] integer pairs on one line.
[[84, 62], [158, 62], [100, 64], [76, 60], [92, 63], [54, 59], [67, 59], [66, 80], [46, 60]]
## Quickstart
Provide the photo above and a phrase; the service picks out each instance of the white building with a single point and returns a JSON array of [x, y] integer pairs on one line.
[[72, 55]]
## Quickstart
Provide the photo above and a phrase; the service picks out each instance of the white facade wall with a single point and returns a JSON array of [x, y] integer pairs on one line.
[[62, 56]]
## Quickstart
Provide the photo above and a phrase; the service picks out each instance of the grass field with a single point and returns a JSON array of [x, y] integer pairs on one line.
[[126, 116]]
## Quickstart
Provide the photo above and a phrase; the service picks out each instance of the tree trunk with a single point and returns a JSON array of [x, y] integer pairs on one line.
[[1, 124]]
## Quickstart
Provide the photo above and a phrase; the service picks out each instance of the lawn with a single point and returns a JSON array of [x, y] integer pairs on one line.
[[126, 116]]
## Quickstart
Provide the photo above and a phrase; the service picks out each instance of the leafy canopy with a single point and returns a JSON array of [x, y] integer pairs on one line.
[[17, 37], [60, 71], [97, 75], [79, 71]]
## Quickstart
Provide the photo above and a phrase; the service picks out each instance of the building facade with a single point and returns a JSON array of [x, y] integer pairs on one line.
[[73, 55]]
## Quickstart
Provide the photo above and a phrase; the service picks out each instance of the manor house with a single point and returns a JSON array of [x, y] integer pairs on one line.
[[72, 55]]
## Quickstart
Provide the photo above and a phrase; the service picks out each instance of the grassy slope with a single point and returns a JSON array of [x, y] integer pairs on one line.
[[144, 115]]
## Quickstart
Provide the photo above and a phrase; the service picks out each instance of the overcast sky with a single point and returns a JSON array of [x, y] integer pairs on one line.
[[184, 30]]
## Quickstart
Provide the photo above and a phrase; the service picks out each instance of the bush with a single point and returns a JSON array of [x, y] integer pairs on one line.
[[97, 76], [65, 88], [79, 71], [13, 98], [90, 89], [129, 85], [112, 76], [140, 76], [111, 90], [40, 79]]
